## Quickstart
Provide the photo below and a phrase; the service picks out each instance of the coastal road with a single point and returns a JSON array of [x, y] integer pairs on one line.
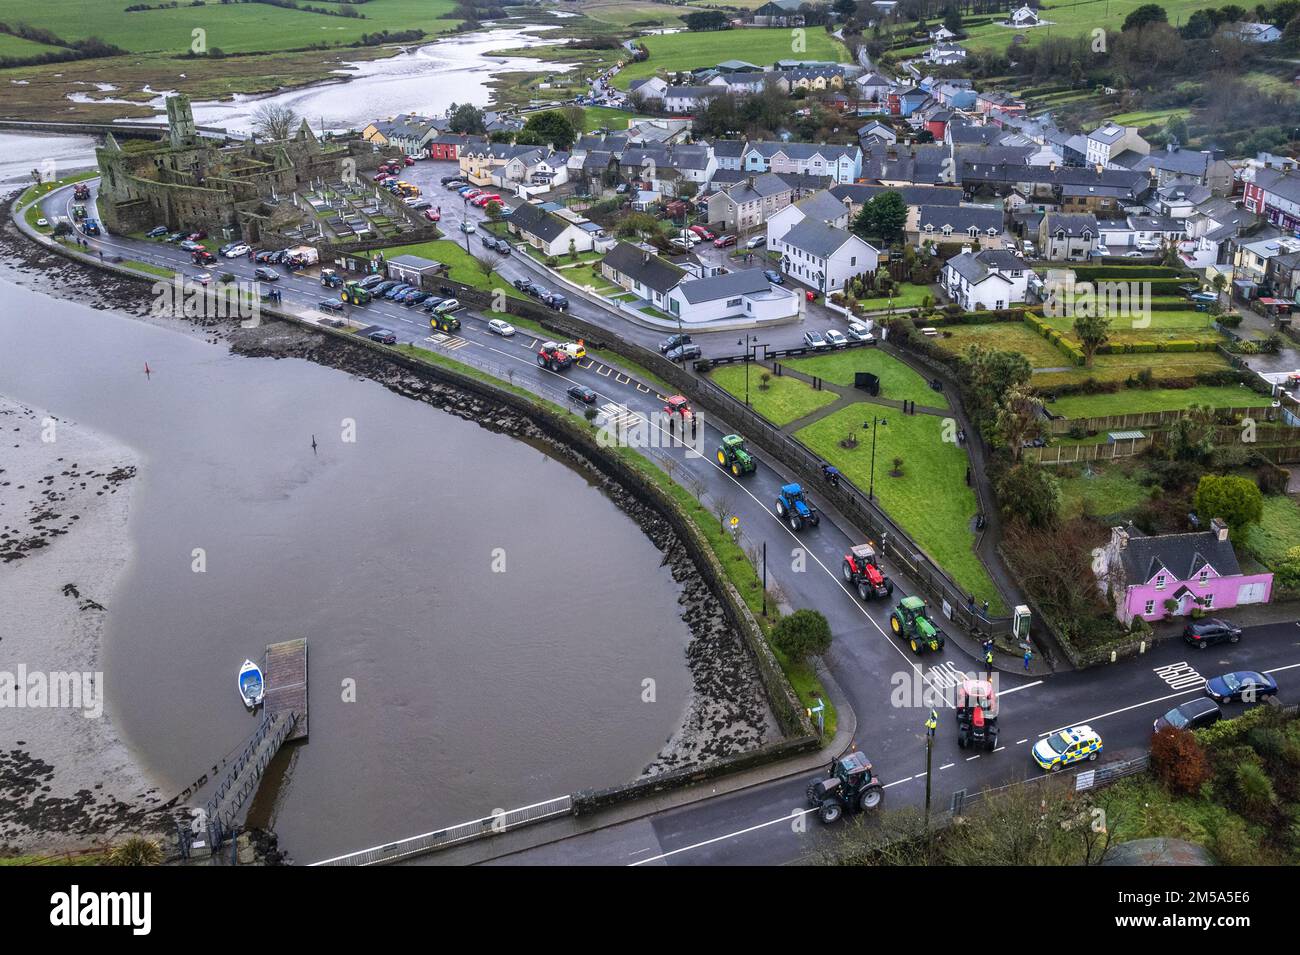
[[889, 689]]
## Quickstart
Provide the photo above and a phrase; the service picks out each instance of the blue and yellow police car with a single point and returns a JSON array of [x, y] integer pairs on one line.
[[1067, 746]]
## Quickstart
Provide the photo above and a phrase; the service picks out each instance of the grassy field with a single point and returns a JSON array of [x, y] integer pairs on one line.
[[1132, 400], [18, 47], [1004, 336], [930, 501], [906, 296], [464, 268], [1121, 367], [897, 380], [687, 51], [784, 400], [1105, 491], [1279, 531], [1151, 117], [1157, 326]]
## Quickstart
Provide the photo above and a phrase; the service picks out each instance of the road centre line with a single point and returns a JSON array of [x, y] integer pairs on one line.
[[730, 835]]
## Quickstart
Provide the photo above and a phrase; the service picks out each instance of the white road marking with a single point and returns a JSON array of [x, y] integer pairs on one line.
[[976, 756], [731, 835], [1019, 741], [1125, 709], [898, 782], [1023, 686], [947, 765]]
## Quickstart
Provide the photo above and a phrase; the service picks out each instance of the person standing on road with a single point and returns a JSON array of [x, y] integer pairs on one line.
[[988, 661], [1029, 655]]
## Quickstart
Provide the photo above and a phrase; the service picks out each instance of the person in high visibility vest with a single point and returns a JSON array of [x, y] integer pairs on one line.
[[932, 723], [988, 660]]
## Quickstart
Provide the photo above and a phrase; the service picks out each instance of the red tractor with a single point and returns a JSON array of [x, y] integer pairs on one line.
[[81, 192], [202, 257], [678, 405], [862, 569], [553, 358]]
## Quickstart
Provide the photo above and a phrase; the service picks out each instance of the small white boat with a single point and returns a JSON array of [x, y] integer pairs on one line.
[[251, 685]]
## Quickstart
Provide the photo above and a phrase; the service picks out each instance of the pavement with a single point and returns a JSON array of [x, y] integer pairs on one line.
[[888, 690]]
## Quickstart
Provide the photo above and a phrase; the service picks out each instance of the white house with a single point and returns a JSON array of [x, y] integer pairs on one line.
[[1024, 17], [822, 206], [688, 99], [731, 295], [548, 232], [652, 89], [1109, 139], [990, 279], [1253, 32], [823, 256], [747, 204]]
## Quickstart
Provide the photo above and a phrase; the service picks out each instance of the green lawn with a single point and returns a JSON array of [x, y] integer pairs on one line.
[[1104, 491], [1121, 367], [1004, 336], [1132, 400], [897, 380], [1158, 326], [464, 266], [157, 270], [687, 51], [930, 501], [589, 275], [906, 296], [785, 399], [598, 117], [1279, 530]]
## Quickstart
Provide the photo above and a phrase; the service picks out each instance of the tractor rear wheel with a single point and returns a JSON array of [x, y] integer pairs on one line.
[[541, 361], [831, 812], [871, 798], [780, 508], [722, 458], [846, 571]]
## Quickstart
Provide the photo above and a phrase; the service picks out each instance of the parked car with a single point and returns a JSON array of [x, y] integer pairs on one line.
[[236, 250], [835, 338], [189, 245], [1192, 715], [756, 242], [393, 294], [383, 287], [582, 393], [156, 232], [197, 235], [773, 276], [703, 233], [432, 302], [203, 278], [330, 305], [538, 291], [683, 352], [815, 339], [414, 297], [370, 281], [467, 226], [859, 332], [1209, 631], [489, 242], [265, 274], [1240, 685], [503, 246], [447, 180], [499, 327], [446, 305], [556, 301], [432, 216], [177, 236], [524, 285], [673, 341], [722, 241], [383, 336]]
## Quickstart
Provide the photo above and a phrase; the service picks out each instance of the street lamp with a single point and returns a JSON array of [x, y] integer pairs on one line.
[[875, 424], [751, 354], [464, 217]]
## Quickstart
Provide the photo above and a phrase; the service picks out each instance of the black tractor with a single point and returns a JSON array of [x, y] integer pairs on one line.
[[977, 715], [849, 786]]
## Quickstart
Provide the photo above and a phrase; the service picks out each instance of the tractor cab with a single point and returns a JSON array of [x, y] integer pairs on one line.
[[679, 405], [977, 715], [848, 786]]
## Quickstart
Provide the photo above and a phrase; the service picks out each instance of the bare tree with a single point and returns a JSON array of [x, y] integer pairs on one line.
[[274, 121], [722, 509]]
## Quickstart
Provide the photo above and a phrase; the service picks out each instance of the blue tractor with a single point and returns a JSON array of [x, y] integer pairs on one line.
[[795, 509]]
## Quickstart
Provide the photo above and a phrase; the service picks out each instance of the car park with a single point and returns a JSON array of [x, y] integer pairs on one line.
[[582, 393], [413, 297], [1209, 631], [680, 243], [859, 332], [1192, 715], [500, 327], [773, 276], [685, 352], [836, 339], [156, 232], [383, 336], [265, 274], [1067, 746], [1240, 686], [815, 339], [722, 241]]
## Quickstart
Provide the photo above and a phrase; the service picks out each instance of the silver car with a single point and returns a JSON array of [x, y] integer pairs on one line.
[[498, 327]]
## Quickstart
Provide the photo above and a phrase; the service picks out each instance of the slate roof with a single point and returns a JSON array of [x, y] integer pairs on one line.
[[1107, 133], [1279, 182], [768, 149], [969, 267], [536, 221], [961, 218], [1180, 555], [727, 285], [1181, 161], [768, 184], [816, 237], [646, 268], [912, 195], [1073, 223], [822, 205], [728, 148]]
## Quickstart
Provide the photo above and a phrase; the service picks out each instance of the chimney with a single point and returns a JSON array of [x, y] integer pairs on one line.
[[645, 258], [750, 181], [1219, 528], [1119, 537]]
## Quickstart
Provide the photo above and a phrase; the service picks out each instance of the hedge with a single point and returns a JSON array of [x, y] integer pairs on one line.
[[987, 317], [1089, 273]]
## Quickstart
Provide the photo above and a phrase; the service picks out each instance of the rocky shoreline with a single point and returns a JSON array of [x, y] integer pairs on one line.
[[727, 712]]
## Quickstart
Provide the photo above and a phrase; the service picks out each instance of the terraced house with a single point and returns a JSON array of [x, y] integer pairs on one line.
[[748, 204], [841, 163], [977, 225], [1275, 195]]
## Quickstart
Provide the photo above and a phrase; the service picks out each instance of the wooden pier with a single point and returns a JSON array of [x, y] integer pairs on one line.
[[285, 672]]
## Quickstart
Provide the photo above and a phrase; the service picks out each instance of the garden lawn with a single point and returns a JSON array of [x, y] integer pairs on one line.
[[464, 267], [1279, 530], [674, 52], [1004, 336], [1122, 367], [1104, 491], [906, 296], [1160, 326], [588, 275], [785, 399], [1132, 400], [897, 380], [931, 501]]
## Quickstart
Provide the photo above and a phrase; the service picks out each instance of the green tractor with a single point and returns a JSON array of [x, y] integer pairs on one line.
[[910, 621], [735, 457], [354, 294]]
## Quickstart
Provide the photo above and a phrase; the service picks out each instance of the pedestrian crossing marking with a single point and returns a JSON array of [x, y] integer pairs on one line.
[[619, 416]]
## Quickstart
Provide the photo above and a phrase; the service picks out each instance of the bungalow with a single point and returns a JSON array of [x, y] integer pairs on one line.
[[1024, 17], [979, 225], [825, 257], [991, 279], [820, 205], [547, 232], [1149, 576], [638, 270], [940, 34], [1071, 236], [746, 294]]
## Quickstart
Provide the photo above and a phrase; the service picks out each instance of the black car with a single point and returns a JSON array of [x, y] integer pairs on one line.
[[1192, 715], [489, 242], [683, 352], [1246, 686], [330, 305], [673, 341], [538, 291], [1205, 633], [383, 336], [265, 274], [503, 246], [556, 301], [384, 287], [445, 180], [583, 394], [432, 302], [157, 232], [524, 285]]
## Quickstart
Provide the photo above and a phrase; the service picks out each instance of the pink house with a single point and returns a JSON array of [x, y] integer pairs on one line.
[[1142, 572]]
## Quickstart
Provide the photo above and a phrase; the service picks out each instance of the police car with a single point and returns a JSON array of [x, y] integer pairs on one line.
[[1067, 746]]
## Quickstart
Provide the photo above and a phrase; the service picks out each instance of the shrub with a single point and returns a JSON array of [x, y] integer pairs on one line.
[[1179, 761], [802, 634], [1254, 790], [136, 850]]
